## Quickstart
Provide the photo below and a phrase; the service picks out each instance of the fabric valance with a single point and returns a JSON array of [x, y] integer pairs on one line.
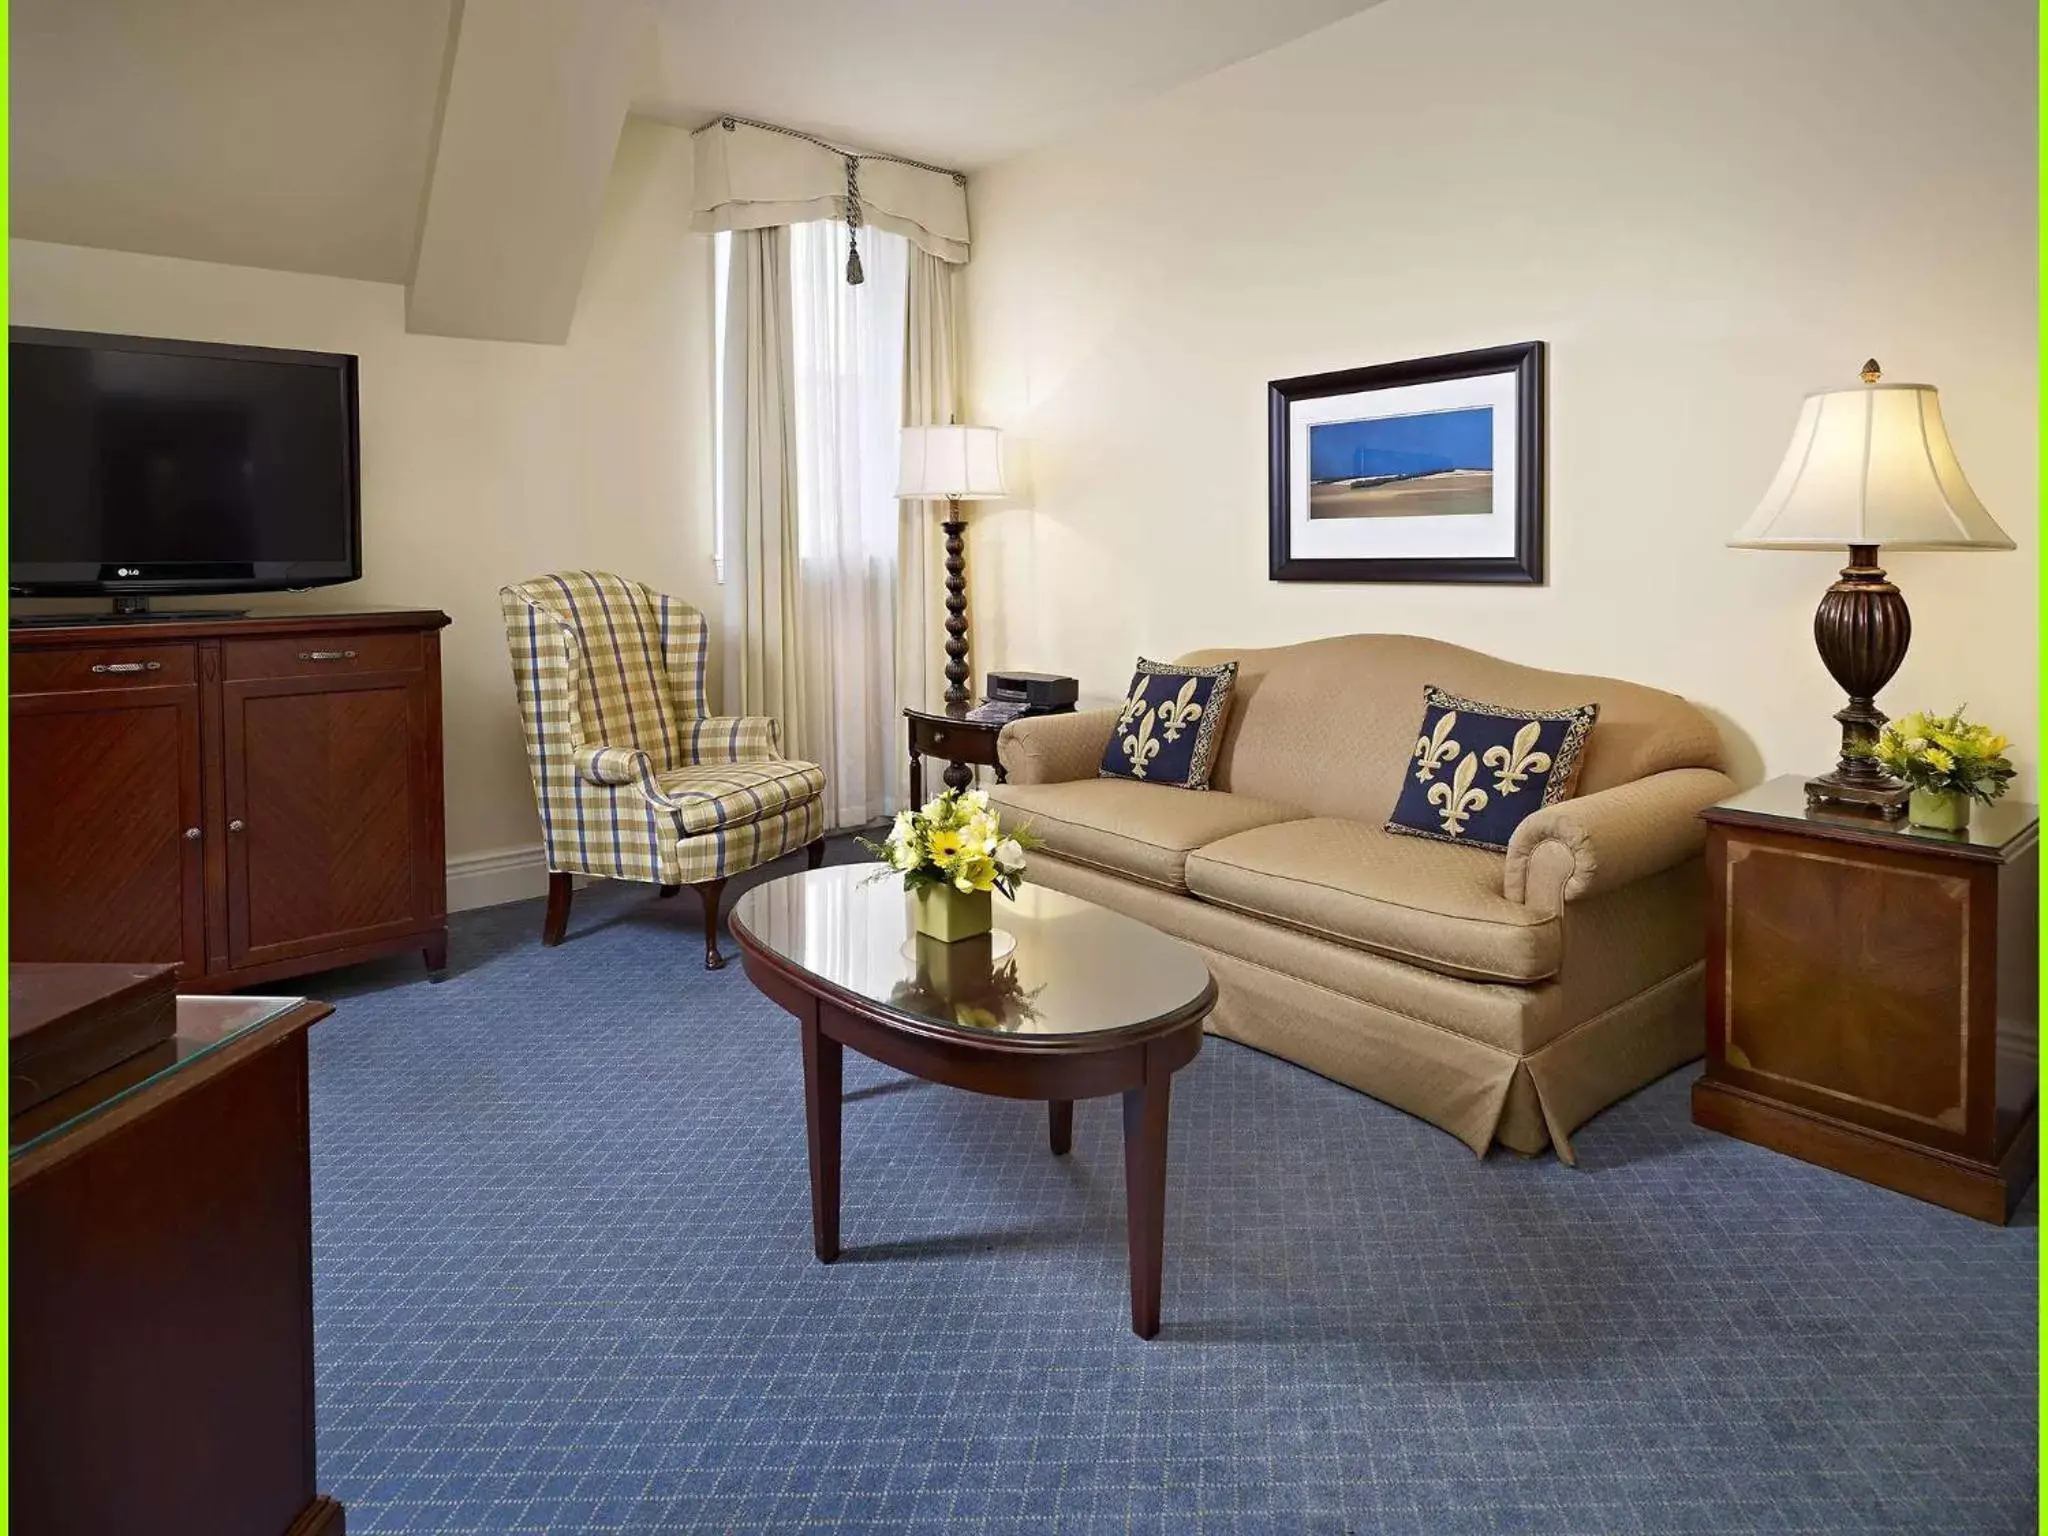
[[750, 176]]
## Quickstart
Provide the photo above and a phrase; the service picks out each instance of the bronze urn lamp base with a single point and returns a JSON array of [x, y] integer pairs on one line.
[[1862, 629]]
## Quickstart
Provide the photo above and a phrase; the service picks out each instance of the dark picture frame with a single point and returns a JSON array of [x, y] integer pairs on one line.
[[1526, 361]]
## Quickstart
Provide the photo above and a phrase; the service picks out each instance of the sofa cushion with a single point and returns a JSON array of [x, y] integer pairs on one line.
[[1352, 883], [1143, 831], [1478, 771], [709, 796], [1169, 727]]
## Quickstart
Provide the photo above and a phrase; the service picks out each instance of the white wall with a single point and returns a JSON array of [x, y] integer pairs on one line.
[[1705, 209], [483, 462]]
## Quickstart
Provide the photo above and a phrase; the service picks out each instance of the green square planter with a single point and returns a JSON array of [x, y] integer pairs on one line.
[[1943, 812], [948, 915]]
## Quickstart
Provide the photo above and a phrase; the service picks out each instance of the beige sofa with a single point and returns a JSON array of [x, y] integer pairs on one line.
[[1503, 998]]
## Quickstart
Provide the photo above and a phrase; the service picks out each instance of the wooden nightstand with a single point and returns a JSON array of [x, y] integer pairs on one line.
[[948, 733], [1871, 994]]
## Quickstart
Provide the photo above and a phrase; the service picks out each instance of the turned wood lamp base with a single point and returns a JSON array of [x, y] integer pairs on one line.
[[1862, 629], [957, 671]]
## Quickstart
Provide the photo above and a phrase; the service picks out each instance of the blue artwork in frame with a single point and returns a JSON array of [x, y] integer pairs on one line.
[[1429, 470], [1430, 464]]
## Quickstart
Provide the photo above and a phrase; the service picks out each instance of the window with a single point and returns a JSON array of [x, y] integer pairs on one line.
[[843, 401], [721, 283]]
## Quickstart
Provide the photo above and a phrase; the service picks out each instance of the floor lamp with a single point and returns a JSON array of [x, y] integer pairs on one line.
[[953, 464]]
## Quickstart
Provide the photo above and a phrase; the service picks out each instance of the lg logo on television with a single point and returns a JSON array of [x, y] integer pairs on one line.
[[127, 570]]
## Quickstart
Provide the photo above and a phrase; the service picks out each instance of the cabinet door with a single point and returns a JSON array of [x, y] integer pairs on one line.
[[329, 831], [103, 813]]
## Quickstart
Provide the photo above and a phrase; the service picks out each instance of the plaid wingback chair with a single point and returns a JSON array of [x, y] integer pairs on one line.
[[635, 781]]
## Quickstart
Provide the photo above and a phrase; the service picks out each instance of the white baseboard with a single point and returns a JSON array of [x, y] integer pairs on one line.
[[492, 878], [500, 875]]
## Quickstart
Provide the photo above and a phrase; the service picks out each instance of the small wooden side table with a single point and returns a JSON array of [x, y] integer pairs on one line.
[[1872, 1001], [949, 734]]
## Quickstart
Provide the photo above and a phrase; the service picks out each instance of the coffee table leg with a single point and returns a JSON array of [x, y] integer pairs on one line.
[[1145, 1189], [823, 1058], [1061, 1116]]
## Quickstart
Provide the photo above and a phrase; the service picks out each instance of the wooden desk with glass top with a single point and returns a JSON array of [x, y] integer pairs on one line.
[[162, 1287]]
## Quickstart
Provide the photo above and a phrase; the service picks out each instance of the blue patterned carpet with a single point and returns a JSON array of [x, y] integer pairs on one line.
[[565, 1284]]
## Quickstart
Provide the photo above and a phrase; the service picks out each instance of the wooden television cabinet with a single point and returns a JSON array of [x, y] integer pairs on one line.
[[246, 798]]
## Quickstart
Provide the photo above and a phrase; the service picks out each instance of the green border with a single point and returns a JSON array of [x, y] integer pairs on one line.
[[2041, 650]]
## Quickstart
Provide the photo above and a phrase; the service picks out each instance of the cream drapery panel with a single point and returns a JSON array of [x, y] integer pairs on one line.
[[752, 177], [764, 673], [931, 374], [849, 361], [755, 182]]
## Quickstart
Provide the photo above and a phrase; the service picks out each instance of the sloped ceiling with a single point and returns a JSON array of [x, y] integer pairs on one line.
[[460, 146], [270, 133]]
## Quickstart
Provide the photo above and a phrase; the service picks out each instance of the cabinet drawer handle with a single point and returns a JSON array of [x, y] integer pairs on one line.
[[237, 826], [327, 655], [938, 738], [127, 666], [191, 834]]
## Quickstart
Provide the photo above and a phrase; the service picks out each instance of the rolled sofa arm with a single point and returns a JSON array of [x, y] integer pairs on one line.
[[1051, 749], [1583, 847]]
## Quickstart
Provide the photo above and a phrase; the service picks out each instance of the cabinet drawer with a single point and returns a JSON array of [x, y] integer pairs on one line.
[[112, 666], [320, 655]]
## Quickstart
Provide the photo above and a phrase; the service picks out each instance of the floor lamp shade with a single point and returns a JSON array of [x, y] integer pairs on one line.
[[1866, 468], [953, 464]]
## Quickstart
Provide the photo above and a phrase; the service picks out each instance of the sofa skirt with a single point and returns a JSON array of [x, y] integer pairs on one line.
[[1473, 1088]]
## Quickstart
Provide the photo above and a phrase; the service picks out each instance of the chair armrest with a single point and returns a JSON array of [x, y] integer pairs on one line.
[[615, 767], [1583, 847], [1051, 749], [731, 739]]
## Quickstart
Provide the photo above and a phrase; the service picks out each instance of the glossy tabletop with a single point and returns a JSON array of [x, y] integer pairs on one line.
[[205, 1024], [1994, 832], [1055, 969]]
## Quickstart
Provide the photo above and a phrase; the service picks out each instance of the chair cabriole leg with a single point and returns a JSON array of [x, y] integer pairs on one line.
[[814, 854], [712, 891], [666, 891]]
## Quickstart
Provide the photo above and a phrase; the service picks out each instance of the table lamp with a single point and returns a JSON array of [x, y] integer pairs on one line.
[[953, 464], [1868, 467]]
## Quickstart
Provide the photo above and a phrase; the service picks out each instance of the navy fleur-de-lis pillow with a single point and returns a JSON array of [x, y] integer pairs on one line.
[[1476, 770], [1171, 725]]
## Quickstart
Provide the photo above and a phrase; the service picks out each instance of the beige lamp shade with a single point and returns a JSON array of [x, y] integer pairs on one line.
[[1871, 465], [951, 463]]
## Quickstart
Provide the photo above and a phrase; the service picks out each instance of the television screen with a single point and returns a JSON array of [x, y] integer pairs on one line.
[[144, 465]]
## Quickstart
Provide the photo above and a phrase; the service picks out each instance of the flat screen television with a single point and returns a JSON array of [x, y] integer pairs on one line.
[[139, 465]]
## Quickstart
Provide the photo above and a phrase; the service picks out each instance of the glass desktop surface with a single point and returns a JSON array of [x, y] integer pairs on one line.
[[205, 1024], [1072, 968]]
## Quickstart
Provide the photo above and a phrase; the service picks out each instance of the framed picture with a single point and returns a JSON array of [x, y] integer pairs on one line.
[[1429, 470]]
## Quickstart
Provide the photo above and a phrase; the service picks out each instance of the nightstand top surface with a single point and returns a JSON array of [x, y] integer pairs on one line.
[[1996, 831], [952, 714]]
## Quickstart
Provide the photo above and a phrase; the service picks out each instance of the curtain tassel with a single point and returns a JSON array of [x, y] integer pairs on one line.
[[854, 273]]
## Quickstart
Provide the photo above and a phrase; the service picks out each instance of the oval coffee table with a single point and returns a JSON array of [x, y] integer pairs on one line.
[[1064, 1001]]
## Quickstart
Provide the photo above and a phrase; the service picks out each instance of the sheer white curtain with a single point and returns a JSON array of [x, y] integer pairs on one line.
[[848, 345]]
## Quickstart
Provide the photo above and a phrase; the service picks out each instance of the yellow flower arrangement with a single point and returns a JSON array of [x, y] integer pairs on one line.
[[1945, 754], [955, 840]]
